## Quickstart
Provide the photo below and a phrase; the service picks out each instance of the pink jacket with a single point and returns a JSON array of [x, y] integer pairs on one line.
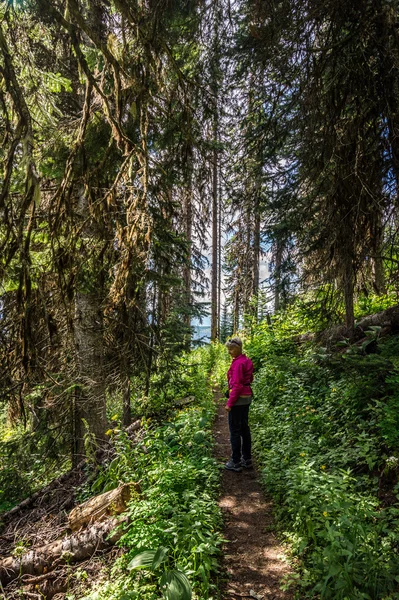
[[239, 376]]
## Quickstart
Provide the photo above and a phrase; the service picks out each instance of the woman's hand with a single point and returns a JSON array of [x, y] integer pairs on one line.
[[228, 408]]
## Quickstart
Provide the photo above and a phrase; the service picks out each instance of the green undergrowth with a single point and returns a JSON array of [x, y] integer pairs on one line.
[[326, 438], [29, 460], [176, 512]]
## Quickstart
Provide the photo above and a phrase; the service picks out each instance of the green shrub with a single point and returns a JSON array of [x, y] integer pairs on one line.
[[326, 436], [178, 509]]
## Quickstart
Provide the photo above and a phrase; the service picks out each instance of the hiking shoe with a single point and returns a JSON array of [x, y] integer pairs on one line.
[[232, 466], [246, 464]]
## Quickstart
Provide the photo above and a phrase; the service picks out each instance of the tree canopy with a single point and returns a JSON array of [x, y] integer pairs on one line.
[[154, 150]]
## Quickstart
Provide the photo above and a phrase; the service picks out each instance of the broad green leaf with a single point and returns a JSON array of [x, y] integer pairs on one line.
[[199, 436], [160, 557], [176, 585], [143, 560], [366, 343], [334, 569]]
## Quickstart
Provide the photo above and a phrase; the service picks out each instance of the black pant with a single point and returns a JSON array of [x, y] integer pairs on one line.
[[240, 435]]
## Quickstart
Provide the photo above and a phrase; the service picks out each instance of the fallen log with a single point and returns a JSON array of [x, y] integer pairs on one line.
[[101, 507], [387, 319], [73, 548], [184, 401], [133, 427]]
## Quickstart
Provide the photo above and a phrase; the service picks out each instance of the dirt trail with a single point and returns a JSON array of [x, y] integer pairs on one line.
[[253, 557]]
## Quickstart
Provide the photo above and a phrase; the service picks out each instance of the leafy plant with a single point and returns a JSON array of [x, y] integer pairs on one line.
[[173, 583], [174, 526], [325, 432]]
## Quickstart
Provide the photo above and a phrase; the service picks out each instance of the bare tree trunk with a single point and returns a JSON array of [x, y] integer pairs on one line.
[[236, 311], [127, 412], [247, 283], [378, 262], [277, 276], [219, 257], [256, 257], [349, 289], [387, 32], [188, 225], [215, 244], [90, 402], [215, 171], [90, 406], [151, 344]]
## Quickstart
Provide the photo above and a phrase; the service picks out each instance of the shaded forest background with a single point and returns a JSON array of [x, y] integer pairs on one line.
[[136, 136]]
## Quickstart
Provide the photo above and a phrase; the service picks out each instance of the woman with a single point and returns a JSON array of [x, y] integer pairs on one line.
[[240, 377]]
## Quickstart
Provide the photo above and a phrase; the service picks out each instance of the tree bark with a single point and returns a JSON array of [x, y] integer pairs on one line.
[[378, 261], [236, 311], [219, 255], [349, 288], [188, 226], [387, 319], [73, 548], [256, 256], [90, 401], [127, 413], [215, 171], [101, 507], [90, 404], [215, 244], [277, 276]]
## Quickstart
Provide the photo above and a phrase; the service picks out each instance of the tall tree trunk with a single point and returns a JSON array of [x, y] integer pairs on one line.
[[219, 257], [236, 311], [378, 262], [256, 256], [215, 82], [349, 298], [215, 243], [90, 402], [127, 412], [90, 405], [247, 283], [151, 344], [388, 36], [188, 226], [277, 276]]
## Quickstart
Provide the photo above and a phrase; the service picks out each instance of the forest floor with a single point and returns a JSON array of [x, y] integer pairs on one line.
[[41, 520], [253, 557]]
